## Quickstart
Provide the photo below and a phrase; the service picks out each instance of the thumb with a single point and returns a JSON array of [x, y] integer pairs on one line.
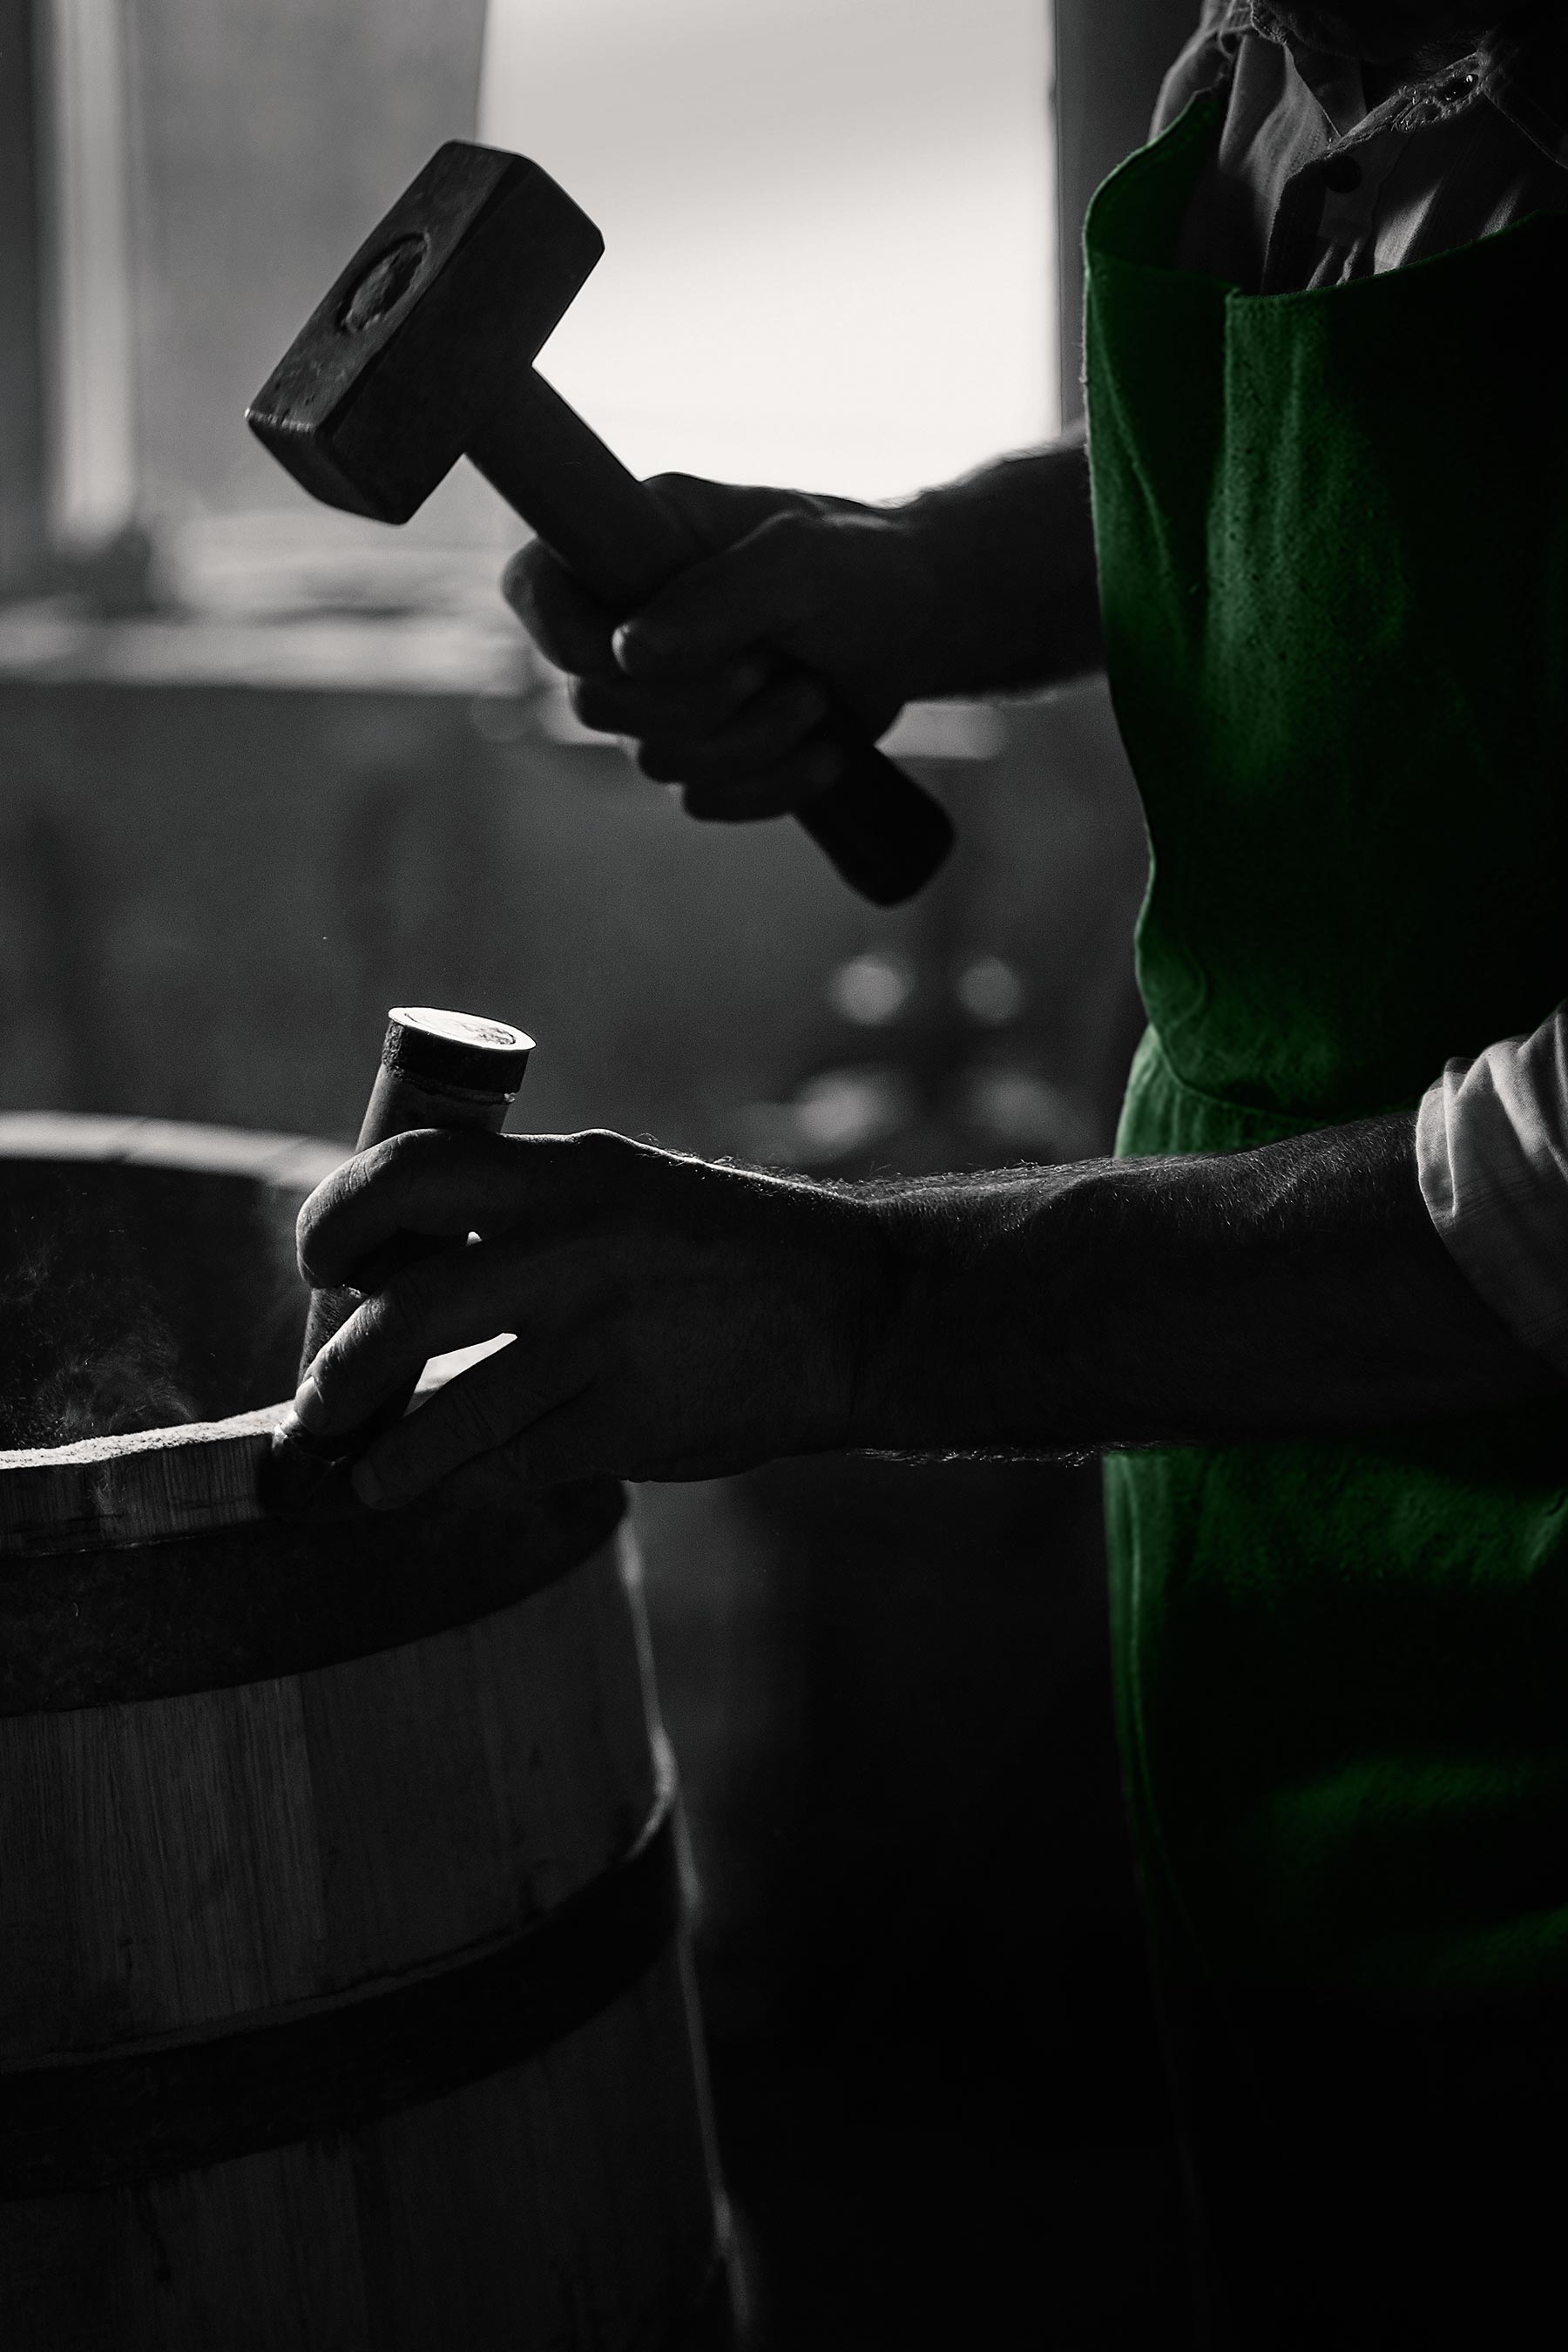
[[757, 586]]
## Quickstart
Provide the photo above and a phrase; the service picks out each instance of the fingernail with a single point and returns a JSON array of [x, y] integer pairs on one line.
[[642, 642], [367, 1486], [308, 1410]]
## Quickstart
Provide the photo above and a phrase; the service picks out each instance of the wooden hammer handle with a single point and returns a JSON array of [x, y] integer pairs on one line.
[[885, 835]]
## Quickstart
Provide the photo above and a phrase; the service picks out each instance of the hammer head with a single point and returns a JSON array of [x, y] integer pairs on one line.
[[443, 307]]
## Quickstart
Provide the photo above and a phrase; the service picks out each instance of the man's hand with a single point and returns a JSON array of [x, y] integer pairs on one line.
[[983, 586], [677, 1319], [673, 1318], [838, 588]]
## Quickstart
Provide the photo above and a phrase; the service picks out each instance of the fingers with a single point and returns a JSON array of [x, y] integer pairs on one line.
[[544, 1280], [716, 684], [447, 1182], [731, 730], [574, 631], [758, 592], [481, 1412], [770, 724], [776, 790], [565, 622], [455, 1183], [561, 1446], [682, 709], [773, 758], [451, 1301]]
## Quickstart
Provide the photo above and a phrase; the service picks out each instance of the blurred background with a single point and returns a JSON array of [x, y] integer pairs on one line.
[[265, 770]]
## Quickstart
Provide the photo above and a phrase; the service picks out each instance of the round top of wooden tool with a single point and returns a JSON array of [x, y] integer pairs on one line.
[[456, 1049]]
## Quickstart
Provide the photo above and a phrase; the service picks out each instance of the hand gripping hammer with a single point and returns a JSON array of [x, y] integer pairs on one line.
[[423, 351]]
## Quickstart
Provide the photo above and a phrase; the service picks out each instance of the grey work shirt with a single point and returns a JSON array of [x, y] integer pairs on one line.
[[1312, 187]]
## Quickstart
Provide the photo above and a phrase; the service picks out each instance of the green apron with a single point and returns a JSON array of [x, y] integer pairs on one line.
[[1333, 532]]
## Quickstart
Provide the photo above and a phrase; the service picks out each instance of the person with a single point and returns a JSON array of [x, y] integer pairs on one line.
[[1315, 1311]]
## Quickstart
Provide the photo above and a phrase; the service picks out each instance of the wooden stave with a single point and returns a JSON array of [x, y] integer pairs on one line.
[[434, 2229], [656, 2292], [118, 1919], [183, 2102], [659, 2086]]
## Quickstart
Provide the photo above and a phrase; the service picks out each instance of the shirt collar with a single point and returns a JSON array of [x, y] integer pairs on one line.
[[1523, 64]]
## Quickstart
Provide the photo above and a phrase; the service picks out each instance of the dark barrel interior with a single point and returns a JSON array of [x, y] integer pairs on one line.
[[136, 1295]]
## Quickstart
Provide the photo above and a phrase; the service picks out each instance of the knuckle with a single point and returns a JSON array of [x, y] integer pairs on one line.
[[517, 581], [594, 703], [473, 1416], [805, 700], [501, 1469], [603, 1152], [717, 801], [399, 1311], [311, 1244], [568, 627], [305, 1236], [334, 1370], [823, 764], [786, 714], [660, 762], [788, 534], [534, 586], [385, 1162]]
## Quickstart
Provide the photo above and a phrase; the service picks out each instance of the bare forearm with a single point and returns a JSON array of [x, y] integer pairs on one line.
[[1011, 549], [677, 1318], [1297, 1290]]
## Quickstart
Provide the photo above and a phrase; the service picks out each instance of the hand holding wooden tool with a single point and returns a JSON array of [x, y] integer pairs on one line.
[[437, 1069], [423, 351]]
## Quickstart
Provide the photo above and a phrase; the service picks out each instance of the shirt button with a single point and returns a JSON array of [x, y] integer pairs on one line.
[[1341, 174]]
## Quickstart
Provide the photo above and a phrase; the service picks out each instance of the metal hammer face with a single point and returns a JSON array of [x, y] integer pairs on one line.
[[441, 312]]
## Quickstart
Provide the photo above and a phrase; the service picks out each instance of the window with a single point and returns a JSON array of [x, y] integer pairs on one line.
[[829, 228]]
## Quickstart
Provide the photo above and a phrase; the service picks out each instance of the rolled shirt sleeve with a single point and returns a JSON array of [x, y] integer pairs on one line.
[[1493, 1151]]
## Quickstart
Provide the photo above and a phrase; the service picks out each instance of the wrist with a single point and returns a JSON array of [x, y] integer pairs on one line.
[[970, 1301], [1009, 551]]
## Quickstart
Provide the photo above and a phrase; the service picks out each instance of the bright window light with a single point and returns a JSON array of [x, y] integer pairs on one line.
[[829, 228]]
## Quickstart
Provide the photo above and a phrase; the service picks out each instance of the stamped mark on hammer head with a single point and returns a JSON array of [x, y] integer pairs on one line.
[[390, 277]]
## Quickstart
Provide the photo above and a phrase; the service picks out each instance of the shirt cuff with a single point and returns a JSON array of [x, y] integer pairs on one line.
[[1492, 1141]]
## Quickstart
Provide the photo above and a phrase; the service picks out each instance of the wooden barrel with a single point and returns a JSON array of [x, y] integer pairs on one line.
[[345, 1998]]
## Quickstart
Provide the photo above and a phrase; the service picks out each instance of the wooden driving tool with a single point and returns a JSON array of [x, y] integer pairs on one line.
[[423, 351], [437, 1069]]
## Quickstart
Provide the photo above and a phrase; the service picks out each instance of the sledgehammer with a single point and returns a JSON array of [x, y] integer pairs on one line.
[[423, 351]]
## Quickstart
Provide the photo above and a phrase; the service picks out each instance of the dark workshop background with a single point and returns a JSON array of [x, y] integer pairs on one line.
[[262, 775]]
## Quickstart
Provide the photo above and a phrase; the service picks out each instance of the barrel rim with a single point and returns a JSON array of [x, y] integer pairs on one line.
[[115, 1140], [107, 1493]]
